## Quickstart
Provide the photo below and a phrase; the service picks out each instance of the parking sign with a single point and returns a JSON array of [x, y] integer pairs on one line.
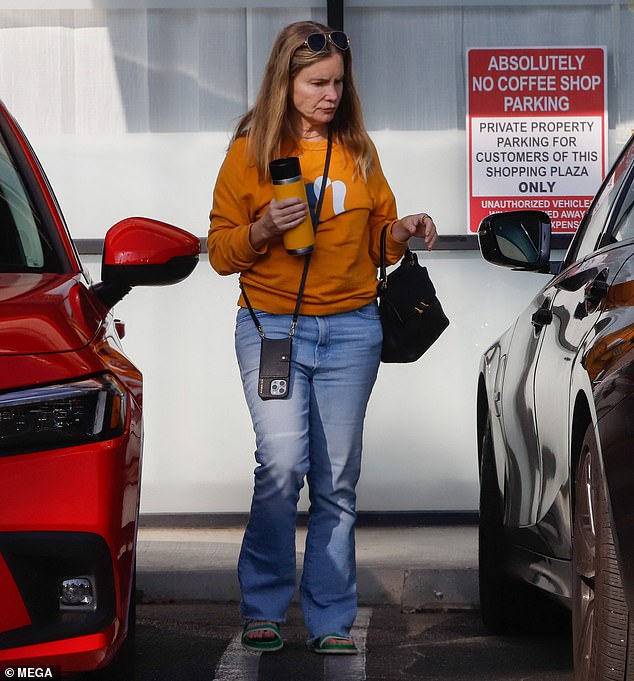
[[537, 129]]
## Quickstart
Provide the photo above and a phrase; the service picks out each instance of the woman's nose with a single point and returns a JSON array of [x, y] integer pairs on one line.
[[332, 94]]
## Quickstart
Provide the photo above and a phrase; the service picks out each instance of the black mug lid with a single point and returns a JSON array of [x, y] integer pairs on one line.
[[285, 168]]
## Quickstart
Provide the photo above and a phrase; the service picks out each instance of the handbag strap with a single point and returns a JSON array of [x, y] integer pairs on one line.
[[383, 263], [408, 257], [302, 283]]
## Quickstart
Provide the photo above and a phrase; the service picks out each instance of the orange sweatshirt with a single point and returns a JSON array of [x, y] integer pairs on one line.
[[342, 274]]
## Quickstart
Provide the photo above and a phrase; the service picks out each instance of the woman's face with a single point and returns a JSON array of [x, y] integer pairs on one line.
[[316, 92]]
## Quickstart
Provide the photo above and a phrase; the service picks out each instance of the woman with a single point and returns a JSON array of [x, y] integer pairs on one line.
[[315, 433]]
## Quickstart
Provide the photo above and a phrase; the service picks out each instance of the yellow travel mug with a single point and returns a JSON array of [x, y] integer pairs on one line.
[[286, 176]]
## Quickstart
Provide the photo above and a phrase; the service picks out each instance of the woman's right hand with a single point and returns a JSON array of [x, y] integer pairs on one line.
[[279, 218]]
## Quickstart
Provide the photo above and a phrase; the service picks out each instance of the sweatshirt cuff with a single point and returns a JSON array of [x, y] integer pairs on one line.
[[262, 250], [247, 253]]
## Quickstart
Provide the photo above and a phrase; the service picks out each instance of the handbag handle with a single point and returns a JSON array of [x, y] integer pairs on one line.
[[383, 264], [409, 257]]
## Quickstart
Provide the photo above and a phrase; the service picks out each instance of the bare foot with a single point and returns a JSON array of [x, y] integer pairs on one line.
[[336, 641]]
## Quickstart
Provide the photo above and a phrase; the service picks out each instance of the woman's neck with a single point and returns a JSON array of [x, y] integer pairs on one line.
[[313, 133], [314, 137]]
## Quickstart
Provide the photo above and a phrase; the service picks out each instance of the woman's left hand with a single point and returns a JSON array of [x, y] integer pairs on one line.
[[420, 225]]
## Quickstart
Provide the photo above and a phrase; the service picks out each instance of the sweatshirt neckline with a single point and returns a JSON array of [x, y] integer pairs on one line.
[[310, 145]]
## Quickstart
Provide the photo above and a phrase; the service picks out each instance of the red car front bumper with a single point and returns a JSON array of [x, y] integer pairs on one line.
[[68, 513]]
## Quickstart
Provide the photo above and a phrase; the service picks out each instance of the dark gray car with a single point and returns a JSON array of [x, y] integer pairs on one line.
[[556, 430]]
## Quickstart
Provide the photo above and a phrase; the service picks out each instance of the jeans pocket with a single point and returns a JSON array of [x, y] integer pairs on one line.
[[273, 325], [369, 311], [243, 317]]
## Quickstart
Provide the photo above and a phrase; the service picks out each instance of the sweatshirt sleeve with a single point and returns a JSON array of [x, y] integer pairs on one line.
[[383, 213], [232, 214]]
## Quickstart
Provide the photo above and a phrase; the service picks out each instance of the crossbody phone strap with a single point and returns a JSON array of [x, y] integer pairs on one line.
[[302, 284]]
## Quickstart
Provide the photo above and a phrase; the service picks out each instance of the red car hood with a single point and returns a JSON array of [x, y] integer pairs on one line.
[[45, 313]]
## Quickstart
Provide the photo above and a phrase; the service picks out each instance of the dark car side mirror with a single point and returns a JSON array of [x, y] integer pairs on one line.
[[516, 239], [144, 252]]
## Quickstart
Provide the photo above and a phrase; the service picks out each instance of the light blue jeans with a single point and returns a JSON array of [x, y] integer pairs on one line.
[[314, 434]]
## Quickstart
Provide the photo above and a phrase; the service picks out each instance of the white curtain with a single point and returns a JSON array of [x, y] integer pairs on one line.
[[410, 61], [103, 71], [100, 71]]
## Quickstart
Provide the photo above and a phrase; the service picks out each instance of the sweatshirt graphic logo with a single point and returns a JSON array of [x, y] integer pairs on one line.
[[338, 194]]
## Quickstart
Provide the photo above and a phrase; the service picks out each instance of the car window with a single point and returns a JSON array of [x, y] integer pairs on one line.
[[624, 224], [585, 242], [25, 245]]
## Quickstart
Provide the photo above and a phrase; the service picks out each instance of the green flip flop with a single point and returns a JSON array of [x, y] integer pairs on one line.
[[322, 645], [267, 645]]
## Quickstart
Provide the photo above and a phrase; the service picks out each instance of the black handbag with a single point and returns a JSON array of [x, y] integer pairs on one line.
[[411, 314]]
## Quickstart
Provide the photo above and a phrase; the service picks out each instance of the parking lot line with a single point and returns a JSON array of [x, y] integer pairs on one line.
[[238, 664], [350, 667]]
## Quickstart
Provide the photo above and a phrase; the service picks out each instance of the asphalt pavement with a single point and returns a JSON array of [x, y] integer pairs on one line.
[[432, 567], [418, 615], [200, 642]]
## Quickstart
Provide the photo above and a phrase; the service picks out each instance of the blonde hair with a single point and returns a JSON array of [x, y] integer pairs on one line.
[[267, 125]]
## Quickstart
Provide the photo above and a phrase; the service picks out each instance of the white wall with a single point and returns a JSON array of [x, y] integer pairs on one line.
[[100, 179]]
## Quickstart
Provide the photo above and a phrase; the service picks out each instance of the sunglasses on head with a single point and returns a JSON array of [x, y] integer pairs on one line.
[[316, 42]]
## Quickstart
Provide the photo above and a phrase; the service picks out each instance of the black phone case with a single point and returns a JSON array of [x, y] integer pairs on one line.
[[275, 368]]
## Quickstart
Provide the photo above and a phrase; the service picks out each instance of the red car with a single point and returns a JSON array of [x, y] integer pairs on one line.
[[70, 422]]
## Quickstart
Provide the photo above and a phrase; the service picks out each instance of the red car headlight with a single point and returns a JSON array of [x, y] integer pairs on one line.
[[61, 415]]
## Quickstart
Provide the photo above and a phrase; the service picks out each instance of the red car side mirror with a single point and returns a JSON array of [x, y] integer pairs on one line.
[[144, 252]]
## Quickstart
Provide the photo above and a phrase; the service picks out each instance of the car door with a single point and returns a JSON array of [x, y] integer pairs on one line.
[[514, 405], [574, 301], [522, 370]]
